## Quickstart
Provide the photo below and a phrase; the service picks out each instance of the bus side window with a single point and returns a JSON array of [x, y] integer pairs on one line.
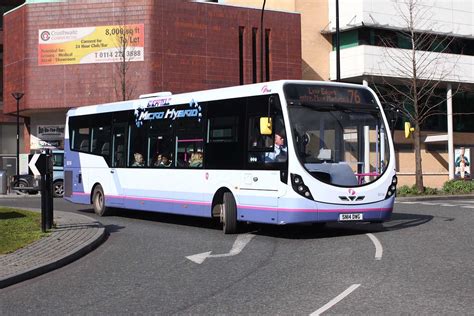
[[190, 152], [81, 139], [100, 141], [159, 146], [137, 153], [262, 148], [118, 141]]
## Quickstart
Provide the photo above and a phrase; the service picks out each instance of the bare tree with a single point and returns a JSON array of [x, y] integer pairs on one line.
[[418, 72], [124, 84]]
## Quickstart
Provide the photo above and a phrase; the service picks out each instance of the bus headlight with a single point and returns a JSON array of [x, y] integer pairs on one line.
[[299, 186], [392, 189]]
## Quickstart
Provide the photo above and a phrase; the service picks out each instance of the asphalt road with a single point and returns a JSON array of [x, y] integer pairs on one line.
[[421, 262]]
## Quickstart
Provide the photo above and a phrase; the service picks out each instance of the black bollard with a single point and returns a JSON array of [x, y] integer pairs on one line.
[[44, 218], [47, 191]]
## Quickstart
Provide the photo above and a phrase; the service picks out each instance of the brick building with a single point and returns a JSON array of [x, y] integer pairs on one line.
[[186, 46], [7, 122]]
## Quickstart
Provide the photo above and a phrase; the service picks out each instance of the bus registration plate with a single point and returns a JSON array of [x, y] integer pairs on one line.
[[351, 217]]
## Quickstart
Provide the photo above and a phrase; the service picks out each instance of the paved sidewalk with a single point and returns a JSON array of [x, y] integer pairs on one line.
[[74, 236]]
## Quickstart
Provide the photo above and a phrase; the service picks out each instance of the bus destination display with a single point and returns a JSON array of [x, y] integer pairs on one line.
[[327, 94]]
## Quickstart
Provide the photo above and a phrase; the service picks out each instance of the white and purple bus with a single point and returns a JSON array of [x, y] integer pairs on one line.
[[277, 152]]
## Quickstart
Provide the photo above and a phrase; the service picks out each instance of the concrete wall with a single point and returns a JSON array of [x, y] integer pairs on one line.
[[393, 62], [455, 16]]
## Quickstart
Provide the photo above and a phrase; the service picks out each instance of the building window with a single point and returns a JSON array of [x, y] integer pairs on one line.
[[398, 39], [267, 55], [241, 54], [254, 55]]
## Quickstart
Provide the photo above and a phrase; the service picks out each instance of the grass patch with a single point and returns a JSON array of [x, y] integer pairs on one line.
[[18, 228]]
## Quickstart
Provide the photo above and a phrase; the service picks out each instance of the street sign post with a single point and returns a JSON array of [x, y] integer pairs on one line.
[[42, 165]]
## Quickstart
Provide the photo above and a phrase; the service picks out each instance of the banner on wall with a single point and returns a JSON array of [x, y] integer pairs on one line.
[[462, 162], [48, 132], [48, 136], [89, 45]]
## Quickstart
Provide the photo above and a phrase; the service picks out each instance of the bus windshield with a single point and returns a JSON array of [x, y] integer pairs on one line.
[[338, 133]]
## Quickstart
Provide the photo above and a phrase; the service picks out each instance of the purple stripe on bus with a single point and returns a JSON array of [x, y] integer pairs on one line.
[[293, 210], [248, 207], [158, 200]]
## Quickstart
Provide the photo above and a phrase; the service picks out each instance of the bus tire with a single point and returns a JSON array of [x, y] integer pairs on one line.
[[98, 201], [229, 214], [58, 188]]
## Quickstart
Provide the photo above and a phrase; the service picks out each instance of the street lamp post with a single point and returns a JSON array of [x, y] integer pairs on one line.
[[18, 96], [261, 41], [338, 45]]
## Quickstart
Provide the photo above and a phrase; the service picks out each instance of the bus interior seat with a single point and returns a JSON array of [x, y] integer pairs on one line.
[[119, 153], [105, 149], [84, 146]]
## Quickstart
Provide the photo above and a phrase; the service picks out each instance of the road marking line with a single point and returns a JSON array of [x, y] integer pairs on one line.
[[378, 247], [336, 300], [237, 247]]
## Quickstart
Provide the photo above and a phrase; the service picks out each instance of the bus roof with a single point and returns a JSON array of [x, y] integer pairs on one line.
[[197, 96]]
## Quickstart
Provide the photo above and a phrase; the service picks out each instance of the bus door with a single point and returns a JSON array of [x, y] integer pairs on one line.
[[266, 165], [265, 161], [118, 161]]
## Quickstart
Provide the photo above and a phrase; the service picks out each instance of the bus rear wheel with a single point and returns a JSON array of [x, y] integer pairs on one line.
[[98, 201], [228, 214]]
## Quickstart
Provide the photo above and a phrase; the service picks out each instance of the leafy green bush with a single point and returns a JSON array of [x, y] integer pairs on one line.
[[431, 191], [406, 190], [458, 187]]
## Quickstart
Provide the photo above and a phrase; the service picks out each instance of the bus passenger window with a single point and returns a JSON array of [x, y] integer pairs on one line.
[[137, 146], [100, 137], [190, 152], [119, 140], [81, 139], [158, 147], [267, 148]]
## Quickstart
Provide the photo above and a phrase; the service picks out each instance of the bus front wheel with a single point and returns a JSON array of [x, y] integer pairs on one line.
[[228, 214], [98, 201]]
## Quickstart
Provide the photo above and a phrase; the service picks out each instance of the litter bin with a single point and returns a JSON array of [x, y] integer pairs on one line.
[[3, 182]]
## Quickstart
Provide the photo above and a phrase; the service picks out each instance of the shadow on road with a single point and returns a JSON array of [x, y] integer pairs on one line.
[[403, 220], [111, 228], [166, 218], [331, 230], [302, 231]]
